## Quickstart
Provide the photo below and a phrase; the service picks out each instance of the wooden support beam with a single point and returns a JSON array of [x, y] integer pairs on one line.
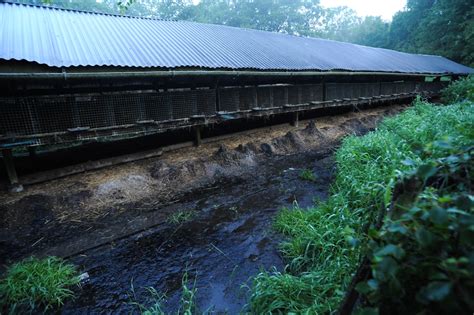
[[32, 152], [295, 120], [15, 185], [197, 136]]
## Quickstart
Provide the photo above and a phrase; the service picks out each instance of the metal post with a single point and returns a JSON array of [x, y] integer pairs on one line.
[[15, 185]]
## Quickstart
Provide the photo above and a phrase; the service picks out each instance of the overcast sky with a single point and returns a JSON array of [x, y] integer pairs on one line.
[[384, 8]]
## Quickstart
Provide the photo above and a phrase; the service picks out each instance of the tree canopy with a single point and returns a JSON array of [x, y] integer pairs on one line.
[[441, 27]]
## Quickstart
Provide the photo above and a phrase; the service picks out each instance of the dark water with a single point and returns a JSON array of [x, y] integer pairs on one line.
[[229, 240]]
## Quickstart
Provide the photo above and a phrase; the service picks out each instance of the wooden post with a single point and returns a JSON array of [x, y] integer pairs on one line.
[[323, 83], [295, 121], [32, 155], [32, 152], [15, 185], [197, 136]]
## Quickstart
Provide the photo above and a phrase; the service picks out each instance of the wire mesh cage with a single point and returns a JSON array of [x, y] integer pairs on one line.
[[60, 116], [229, 99], [41, 115]]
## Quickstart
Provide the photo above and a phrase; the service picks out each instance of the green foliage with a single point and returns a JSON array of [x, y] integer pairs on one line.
[[188, 297], [422, 258], [180, 217], [277, 293], [307, 175], [326, 243], [460, 90], [156, 300], [37, 283], [187, 305], [443, 27]]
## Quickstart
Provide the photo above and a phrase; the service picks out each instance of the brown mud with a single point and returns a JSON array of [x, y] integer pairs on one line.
[[114, 223]]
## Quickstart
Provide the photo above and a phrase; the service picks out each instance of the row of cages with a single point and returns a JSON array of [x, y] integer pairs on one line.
[[40, 115]]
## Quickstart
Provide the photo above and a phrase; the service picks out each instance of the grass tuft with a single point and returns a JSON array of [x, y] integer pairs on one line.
[[38, 283], [181, 217], [307, 175], [187, 303], [188, 297]]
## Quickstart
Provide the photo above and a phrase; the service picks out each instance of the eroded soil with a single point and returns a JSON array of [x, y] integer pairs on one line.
[[114, 223]]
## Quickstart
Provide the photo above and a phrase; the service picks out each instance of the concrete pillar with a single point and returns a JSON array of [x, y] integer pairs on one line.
[[15, 185]]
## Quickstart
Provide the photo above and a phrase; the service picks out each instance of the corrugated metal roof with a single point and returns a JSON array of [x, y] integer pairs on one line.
[[66, 38]]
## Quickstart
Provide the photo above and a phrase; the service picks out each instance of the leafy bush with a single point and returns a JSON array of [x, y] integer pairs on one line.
[[38, 283], [460, 90], [423, 257], [323, 247]]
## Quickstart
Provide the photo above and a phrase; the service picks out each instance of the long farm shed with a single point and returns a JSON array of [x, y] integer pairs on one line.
[[69, 76]]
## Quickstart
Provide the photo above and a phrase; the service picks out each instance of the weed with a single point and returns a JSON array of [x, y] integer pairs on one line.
[[188, 297], [307, 175], [38, 283], [156, 300], [462, 89], [181, 217], [187, 303], [325, 243], [420, 257]]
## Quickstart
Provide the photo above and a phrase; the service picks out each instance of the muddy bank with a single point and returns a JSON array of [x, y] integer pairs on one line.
[[115, 223]]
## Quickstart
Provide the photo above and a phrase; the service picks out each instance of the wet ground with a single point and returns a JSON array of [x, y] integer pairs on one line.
[[116, 224], [228, 242]]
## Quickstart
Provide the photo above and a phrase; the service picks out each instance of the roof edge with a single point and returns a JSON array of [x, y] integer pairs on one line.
[[199, 73]]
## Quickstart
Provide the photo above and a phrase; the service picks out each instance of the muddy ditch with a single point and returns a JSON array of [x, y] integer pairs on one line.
[[116, 223]]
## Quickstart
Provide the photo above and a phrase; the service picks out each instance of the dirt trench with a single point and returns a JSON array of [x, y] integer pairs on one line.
[[114, 223]]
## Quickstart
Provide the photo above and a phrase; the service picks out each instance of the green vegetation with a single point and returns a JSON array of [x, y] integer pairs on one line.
[[307, 175], [460, 90], [181, 217], [187, 305], [188, 297], [38, 284], [156, 301], [422, 258], [325, 244]]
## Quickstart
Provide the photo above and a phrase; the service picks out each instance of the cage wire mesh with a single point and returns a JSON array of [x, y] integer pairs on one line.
[[37, 116]]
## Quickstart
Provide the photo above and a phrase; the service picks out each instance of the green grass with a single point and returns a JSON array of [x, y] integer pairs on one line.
[[307, 175], [38, 284], [181, 217], [187, 303], [325, 244], [156, 300], [188, 297]]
